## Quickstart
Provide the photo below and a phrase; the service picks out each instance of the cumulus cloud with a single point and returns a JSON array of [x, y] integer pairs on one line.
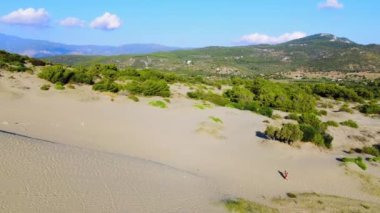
[[72, 22], [257, 38], [107, 21], [29, 16], [332, 4]]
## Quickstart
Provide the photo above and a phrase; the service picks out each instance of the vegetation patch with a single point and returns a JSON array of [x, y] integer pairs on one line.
[[358, 161], [203, 106], [133, 98], [288, 133], [350, 123], [332, 123], [158, 103], [244, 206], [216, 119], [45, 87], [59, 86], [346, 108]]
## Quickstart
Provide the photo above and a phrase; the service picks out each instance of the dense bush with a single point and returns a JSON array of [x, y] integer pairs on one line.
[[106, 85], [371, 108], [239, 95], [288, 133], [345, 108], [286, 97], [336, 92], [56, 73], [350, 123], [155, 88]]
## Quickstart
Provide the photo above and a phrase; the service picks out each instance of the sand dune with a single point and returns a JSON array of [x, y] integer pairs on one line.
[[227, 159], [37, 176]]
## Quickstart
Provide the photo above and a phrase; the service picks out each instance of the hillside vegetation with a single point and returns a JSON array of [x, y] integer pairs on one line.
[[320, 52]]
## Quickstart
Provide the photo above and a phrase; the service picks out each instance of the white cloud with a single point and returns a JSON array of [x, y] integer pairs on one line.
[[72, 22], [107, 21], [333, 4], [29, 16], [257, 38]]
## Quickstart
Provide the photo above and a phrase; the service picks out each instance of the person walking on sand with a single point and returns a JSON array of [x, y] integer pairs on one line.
[[286, 175]]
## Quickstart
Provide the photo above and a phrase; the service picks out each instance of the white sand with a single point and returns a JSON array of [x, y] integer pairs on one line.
[[228, 155]]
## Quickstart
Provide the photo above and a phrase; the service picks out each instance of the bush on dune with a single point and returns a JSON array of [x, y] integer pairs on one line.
[[106, 85], [56, 73], [350, 123], [288, 133], [358, 161], [149, 88]]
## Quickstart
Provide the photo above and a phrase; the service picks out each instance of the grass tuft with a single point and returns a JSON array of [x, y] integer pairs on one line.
[[216, 119], [159, 104]]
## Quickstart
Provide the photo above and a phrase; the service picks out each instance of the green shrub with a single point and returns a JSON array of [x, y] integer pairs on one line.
[[239, 95], [133, 98], [346, 108], [266, 111], [271, 132], [371, 108], [375, 159], [309, 132], [292, 116], [45, 87], [149, 88], [276, 116], [350, 123], [322, 112], [331, 123], [209, 96], [328, 139], [59, 86], [155, 88], [106, 85], [371, 151], [56, 73], [159, 104], [358, 161], [289, 133]]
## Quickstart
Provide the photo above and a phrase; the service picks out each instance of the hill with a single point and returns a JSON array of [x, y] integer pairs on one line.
[[320, 52], [40, 48]]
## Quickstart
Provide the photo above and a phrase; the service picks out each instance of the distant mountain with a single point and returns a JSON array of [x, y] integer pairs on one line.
[[40, 48], [320, 52]]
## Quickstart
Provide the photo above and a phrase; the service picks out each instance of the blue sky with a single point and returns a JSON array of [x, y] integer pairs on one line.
[[189, 23]]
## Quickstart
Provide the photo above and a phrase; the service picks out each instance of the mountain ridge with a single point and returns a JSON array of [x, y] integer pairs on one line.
[[319, 52], [42, 48]]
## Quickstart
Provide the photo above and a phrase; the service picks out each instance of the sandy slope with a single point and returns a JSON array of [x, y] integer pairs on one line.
[[228, 155], [38, 176]]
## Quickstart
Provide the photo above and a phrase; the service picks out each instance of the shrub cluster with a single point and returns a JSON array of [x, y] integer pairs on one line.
[[336, 92], [288, 133], [371, 108], [149, 88]]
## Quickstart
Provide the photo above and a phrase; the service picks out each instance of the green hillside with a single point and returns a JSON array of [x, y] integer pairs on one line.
[[320, 52]]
